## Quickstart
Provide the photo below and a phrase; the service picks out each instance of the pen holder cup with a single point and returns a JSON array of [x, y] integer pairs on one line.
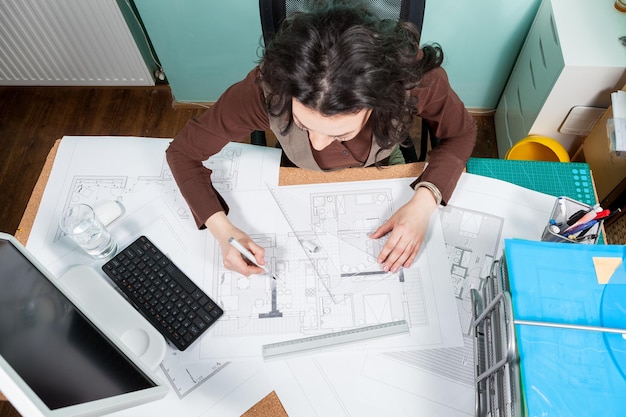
[[555, 229]]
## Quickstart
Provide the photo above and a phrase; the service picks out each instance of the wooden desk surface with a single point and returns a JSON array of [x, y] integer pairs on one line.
[[270, 406]]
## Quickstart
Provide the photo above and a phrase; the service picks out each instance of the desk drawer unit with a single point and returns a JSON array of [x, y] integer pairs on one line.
[[537, 69]]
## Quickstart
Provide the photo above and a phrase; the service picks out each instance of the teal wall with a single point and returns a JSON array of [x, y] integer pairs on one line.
[[205, 46], [131, 16], [481, 40]]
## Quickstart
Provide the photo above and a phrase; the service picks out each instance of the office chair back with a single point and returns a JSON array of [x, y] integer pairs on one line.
[[273, 12]]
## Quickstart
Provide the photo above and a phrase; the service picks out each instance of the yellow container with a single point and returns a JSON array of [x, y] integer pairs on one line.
[[538, 148]]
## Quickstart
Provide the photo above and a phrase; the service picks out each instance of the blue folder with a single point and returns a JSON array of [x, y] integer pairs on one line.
[[567, 372]]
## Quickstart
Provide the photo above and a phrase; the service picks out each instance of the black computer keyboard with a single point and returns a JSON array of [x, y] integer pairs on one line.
[[160, 291]]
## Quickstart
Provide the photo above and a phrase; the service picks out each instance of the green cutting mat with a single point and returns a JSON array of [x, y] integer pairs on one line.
[[571, 179]]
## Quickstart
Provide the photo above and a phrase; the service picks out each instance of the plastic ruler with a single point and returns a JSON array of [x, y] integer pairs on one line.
[[324, 240], [300, 236], [275, 350]]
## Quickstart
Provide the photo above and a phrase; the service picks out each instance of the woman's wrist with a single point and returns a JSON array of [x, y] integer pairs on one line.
[[434, 191], [219, 225]]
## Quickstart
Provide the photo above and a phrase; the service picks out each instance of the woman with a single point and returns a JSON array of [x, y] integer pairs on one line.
[[340, 89]]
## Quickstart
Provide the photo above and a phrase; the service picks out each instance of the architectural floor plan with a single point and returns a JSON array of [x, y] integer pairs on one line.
[[472, 239], [328, 279]]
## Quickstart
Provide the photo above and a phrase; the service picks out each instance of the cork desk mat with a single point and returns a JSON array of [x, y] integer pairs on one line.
[[270, 406]]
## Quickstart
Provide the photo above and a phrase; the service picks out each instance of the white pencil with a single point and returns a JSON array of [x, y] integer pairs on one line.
[[247, 254]]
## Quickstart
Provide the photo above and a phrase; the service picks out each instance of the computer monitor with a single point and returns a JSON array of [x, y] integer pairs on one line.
[[54, 361]]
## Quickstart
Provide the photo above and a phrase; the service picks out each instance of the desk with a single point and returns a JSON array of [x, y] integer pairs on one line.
[[269, 406]]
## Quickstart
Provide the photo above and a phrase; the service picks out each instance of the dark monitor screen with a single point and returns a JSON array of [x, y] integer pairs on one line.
[[51, 345]]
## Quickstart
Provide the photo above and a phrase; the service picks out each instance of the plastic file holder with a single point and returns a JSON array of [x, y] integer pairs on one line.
[[549, 331]]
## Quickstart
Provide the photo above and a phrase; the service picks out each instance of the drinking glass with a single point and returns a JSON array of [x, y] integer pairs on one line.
[[80, 223]]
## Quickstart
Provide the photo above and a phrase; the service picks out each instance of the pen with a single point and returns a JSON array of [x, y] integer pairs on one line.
[[602, 214], [579, 227], [575, 217], [562, 209], [613, 213], [583, 233], [588, 216], [247, 254]]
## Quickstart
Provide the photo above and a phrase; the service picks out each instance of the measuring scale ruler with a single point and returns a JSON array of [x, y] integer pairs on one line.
[[306, 344]]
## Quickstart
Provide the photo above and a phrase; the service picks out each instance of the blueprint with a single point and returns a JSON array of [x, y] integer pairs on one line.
[[185, 372], [338, 285], [316, 244]]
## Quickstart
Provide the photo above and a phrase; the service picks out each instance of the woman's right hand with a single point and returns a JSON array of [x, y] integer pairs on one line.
[[222, 229]]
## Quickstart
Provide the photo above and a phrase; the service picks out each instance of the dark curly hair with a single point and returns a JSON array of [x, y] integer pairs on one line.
[[340, 58]]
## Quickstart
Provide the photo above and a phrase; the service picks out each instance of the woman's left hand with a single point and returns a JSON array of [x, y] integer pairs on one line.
[[408, 227]]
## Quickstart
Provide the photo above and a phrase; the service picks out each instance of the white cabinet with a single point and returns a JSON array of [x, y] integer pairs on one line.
[[572, 56]]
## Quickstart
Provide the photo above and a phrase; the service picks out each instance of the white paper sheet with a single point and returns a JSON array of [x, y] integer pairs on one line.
[[338, 217]]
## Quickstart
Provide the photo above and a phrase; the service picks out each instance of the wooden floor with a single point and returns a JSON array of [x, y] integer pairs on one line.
[[32, 118]]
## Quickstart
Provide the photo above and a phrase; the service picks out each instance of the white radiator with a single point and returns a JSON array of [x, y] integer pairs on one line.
[[68, 43]]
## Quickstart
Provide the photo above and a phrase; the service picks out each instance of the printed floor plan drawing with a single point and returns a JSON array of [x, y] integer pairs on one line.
[[472, 240], [323, 282], [185, 372], [225, 168], [328, 279], [92, 189]]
